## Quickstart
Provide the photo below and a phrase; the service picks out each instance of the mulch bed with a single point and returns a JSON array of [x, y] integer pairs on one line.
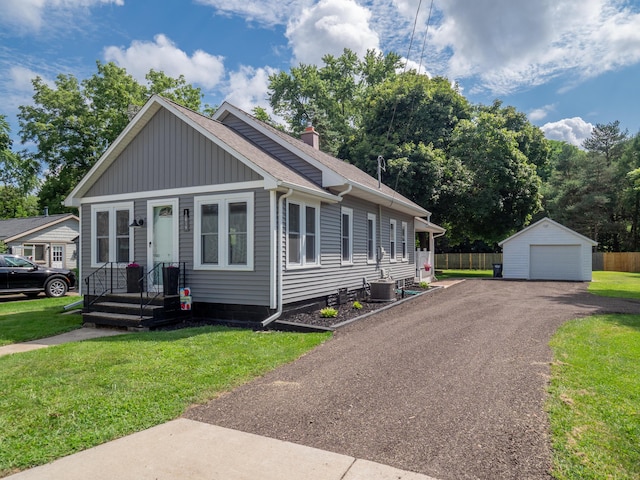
[[346, 311]]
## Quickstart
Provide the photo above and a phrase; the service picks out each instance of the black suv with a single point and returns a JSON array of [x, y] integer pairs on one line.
[[19, 275]]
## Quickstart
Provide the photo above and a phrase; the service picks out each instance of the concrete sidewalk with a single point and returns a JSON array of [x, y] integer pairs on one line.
[[78, 335], [190, 449]]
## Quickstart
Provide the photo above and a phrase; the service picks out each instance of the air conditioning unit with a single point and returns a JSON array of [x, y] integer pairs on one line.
[[383, 291]]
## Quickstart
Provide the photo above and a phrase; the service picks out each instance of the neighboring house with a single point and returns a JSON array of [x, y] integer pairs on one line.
[[48, 240], [259, 220], [547, 250]]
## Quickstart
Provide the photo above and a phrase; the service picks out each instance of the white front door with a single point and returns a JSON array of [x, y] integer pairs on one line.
[[57, 256], [162, 236]]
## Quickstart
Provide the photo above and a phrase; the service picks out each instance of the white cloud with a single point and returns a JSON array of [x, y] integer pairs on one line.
[[269, 12], [329, 27], [571, 130], [162, 54], [29, 14], [248, 88], [509, 44], [540, 113], [20, 79]]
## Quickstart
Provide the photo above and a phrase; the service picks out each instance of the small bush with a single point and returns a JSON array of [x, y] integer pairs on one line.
[[328, 312], [357, 305], [423, 284]]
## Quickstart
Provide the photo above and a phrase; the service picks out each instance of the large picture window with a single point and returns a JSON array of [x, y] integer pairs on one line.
[[111, 234], [303, 225], [347, 235], [223, 232]]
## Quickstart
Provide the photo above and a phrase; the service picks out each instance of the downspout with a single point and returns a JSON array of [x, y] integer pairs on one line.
[[279, 282], [349, 188]]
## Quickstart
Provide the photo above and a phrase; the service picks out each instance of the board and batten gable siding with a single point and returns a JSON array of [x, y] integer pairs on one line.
[[212, 286], [168, 153], [517, 251], [315, 282], [274, 149]]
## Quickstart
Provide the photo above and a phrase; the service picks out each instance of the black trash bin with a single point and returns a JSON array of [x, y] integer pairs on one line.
[[497, 270]]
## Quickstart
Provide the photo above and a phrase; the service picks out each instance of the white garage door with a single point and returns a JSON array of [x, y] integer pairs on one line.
[[555, 262]]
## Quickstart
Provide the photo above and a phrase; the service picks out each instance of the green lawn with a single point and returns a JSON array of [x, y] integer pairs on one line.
[[62, 399], [594, 393], [464, 274], [23, 320], [616, 284]]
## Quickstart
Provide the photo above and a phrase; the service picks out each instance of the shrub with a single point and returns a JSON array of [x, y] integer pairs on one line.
[[357, 305], [423, 284], [328, 312]]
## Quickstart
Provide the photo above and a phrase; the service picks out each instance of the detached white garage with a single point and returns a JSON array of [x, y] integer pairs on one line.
[[547, 250]]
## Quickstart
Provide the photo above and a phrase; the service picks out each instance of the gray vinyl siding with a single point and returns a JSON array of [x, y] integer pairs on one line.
[[213, 286], [168, 153], [310, 283], [274, 149]]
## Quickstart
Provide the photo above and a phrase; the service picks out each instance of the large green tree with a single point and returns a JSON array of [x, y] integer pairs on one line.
[[329, 96], [18, 177], [73, 121]]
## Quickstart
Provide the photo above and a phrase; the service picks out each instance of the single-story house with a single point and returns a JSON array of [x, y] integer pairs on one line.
[[547, 250], [49, 240], [258, 220]]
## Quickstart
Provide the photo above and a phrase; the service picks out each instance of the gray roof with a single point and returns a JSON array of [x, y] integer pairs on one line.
[[352, 174], [250, 151], [16, 227]]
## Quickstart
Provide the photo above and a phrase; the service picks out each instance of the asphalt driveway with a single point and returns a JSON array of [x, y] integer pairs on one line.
[[451, 385]]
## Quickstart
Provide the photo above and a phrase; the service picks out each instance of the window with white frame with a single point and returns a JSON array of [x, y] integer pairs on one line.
[[404, 241], [392, 240], [34, 252], [346, 235], [303, 227], [223, 232], [371, 238], [112, 239]]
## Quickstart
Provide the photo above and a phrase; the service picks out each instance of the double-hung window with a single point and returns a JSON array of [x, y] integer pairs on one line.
[[405, 254], [392, 240], [346, 234], [371, 238], [303, 227], [111, 234], [223, 232]]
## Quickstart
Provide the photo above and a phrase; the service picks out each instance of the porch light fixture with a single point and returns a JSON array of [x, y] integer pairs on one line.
[[185, 217], [137, 223]]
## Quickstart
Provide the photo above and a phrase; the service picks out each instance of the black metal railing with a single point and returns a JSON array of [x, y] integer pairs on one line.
[[153, 276], [112, 278]]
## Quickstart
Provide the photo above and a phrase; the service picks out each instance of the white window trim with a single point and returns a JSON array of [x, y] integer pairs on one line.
[[303, 234], [223, 202], [393, 237], [374, 233], [349, 212], [405, 242], [111, 208]]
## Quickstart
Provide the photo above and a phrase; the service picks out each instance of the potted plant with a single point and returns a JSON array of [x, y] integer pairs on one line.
[[134, 275], [170, 276]]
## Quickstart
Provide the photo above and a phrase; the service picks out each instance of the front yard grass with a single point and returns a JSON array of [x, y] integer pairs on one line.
[[67, 398], [594, 393], [23, 320]]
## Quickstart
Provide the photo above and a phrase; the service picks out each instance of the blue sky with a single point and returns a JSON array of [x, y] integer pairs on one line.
[[567, 64]]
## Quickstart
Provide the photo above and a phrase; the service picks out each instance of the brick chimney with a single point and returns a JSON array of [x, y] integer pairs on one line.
[[311, 137]]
